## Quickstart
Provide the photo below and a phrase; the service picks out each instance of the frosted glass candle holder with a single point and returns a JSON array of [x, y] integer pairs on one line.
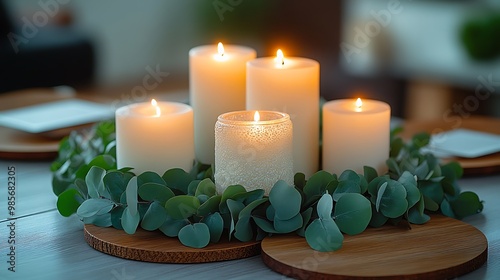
[[254, 153]]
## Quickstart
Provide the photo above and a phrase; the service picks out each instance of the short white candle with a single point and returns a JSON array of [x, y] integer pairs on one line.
[[355, 135], [216, 85], [290, 85], [155, 138], [253, 150]]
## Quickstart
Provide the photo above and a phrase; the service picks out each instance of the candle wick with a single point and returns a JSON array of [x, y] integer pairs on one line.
[[282, 62]]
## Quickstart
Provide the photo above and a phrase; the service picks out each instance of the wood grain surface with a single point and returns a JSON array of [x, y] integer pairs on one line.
[[489, 164], [154, 246], [443, 248]]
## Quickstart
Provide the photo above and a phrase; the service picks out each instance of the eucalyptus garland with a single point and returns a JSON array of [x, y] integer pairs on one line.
[[321, 208]]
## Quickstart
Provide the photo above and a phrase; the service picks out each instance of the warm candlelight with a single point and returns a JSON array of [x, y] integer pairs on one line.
[[290, 85], [217, 85], [253, 149], [155, 136], [355, 133]]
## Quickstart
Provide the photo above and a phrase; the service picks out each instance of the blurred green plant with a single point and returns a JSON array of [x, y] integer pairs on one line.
[[321, 208], [481, 36]]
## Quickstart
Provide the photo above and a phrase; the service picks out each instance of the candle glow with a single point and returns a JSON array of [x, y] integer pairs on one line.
[[280, 58], [157, 108], [220, 49], [256, 116], [359, 103]]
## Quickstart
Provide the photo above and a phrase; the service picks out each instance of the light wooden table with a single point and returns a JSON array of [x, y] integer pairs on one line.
[[49, 246]]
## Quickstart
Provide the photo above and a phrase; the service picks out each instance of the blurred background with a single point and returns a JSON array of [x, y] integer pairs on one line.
[[427, 59]]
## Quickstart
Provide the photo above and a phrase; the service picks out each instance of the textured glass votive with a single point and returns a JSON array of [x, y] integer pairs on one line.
[[253, 152]]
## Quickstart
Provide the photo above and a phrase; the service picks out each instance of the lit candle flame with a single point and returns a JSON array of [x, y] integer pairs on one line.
[[220, 49], [359, 103], [280, 58], [155, 105], [256, 116]]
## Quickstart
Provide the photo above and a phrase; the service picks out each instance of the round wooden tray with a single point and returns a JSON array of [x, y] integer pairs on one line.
[[489, 164], [443, 248], [154, 246]]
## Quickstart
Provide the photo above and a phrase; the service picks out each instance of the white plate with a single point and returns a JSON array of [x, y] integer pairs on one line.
[[465, 143], [55, 115]]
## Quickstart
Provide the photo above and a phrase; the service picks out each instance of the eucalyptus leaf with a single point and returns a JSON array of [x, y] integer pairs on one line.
[[287, 226], [171, 226], [317, 183], [285, 199], [94, 181], [243, 230], [177, 178], [131, 193], [94, 206], [299, 180], [130, 220], [264, 224], [102, 220], [68, 202], [325, 206], [195, 235], [155, 192], [306, 217], [323, 235], [209, 206], [392, 202], [446, 209], [467, 203], [234, 209], [229, 193], [345, 187], [215, 225], [270, 213], [105, 162], [378, 219], [116, 183], [202, 198], [412, 191], [182, 206], [370, 173], [415, 217], [154, 217], [192, 187], [247, 211], [248, 197], [206, 187], [150, 177], [116, 217], [353, 213]]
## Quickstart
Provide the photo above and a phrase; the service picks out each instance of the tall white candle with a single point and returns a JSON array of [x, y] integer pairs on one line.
[[290, 85], [355, 134], [216, 85], [155, 137], [253, 149]]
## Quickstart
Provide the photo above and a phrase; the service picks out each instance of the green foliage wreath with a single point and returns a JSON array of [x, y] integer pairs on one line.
[[187, 206]]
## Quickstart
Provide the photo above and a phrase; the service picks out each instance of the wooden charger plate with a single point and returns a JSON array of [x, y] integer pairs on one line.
[[443, 248], [154, 246], [489, 164]]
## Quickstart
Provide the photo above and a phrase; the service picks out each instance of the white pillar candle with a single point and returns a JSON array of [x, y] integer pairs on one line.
[[355, 134], [253, 150], [155, 138], [289, 85], [216, 85]]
